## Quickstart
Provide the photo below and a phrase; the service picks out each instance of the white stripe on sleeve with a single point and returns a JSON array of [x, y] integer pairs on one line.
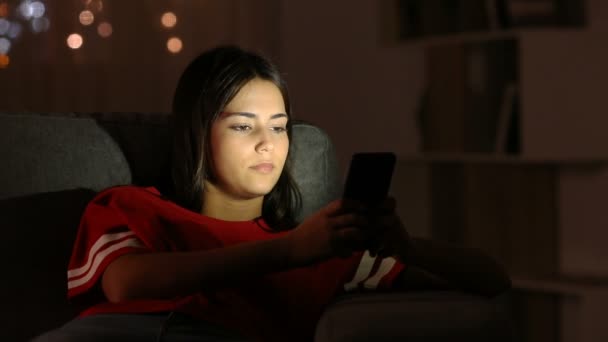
[[363, 271], [101, 242], [385, 267], [99, 258]]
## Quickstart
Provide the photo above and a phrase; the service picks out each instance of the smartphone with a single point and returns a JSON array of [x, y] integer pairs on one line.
[[369, 177]]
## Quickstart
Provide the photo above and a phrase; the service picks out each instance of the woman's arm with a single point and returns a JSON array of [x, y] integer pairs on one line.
[[169, 274], [328, 233], [436, 265]]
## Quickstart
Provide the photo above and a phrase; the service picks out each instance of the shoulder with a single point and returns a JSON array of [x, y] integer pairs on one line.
[[128, 192], [130, 199], [137, 201], [130, 189]]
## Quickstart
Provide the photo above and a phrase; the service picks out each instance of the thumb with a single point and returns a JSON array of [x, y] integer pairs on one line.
[[387, 206], [342, 206]]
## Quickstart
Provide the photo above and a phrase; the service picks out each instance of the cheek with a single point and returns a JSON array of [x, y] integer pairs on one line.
[[220, 154], [215, 143], [230, 155], [224, 156]]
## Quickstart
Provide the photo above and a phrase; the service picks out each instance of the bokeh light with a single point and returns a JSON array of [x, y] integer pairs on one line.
[[14, 16], [4, 26], [15, 30], [174, 45], [74, 41], [26, 9], [86, 17], [37, 9], [40, 25], [104, 29], [3, 10], [168, 19], [4, 61], [32, 9], [5, 46]]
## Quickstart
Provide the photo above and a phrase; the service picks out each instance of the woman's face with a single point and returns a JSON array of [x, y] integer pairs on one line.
[[249, 141]]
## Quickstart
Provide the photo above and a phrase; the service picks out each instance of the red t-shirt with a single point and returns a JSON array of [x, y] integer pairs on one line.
[[279, 306]]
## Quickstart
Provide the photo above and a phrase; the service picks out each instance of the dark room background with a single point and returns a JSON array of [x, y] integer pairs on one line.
[[518, 168]]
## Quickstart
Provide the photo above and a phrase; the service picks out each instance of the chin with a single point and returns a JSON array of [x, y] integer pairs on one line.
[[260, 191], [263, 185]]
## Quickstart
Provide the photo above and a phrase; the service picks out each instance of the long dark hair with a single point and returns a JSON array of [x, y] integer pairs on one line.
[[206, 86]]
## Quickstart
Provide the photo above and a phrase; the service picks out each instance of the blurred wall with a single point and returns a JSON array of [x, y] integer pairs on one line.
[[363, 91], [132, 70], [343, 78]]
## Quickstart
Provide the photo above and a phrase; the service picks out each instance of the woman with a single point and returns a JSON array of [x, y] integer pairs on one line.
[[219, 253]]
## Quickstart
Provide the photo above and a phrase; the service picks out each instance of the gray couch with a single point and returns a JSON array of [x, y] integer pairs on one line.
[[52, 165]]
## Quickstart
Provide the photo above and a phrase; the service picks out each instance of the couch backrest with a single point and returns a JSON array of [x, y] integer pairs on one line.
[[46, 152], [52, 153]]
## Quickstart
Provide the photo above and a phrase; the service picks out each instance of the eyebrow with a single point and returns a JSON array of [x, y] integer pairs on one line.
[[252, 115]]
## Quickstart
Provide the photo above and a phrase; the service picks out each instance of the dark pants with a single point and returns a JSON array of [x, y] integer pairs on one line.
[[166, 327]]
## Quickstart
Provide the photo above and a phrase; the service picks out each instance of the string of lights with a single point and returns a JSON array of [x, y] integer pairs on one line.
[[15, 16], [19, 15], [92, 13], [168, 21]]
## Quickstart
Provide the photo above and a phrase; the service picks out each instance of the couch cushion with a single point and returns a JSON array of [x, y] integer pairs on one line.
[[315, 167], [50, 153]]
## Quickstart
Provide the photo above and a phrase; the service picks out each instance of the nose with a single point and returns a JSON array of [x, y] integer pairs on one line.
[[265, 143]]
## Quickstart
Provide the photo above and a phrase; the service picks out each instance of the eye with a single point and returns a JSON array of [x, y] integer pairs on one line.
[[241, 128], [279, 129]]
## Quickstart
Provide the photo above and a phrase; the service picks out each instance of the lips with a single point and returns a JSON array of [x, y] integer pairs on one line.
[[263, 167]]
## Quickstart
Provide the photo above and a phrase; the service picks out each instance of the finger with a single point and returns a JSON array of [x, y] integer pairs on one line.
[[381, 252], [332, 207], [342, 206], [385, 253], [351, 205], [340, 245], [352, 219], [351, 238], [351, 234], [397, 237], [391, 221], [379, 241], [389, 204], [379, 224]]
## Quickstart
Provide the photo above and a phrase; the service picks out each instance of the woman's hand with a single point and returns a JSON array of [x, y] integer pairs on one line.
[[390, 238], [336, 230]]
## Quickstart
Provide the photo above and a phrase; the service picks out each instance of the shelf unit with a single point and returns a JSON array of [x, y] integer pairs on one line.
[[511, 208], [480, 37], [507, 133], [499, 78], [498, 158], [414, 19]]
